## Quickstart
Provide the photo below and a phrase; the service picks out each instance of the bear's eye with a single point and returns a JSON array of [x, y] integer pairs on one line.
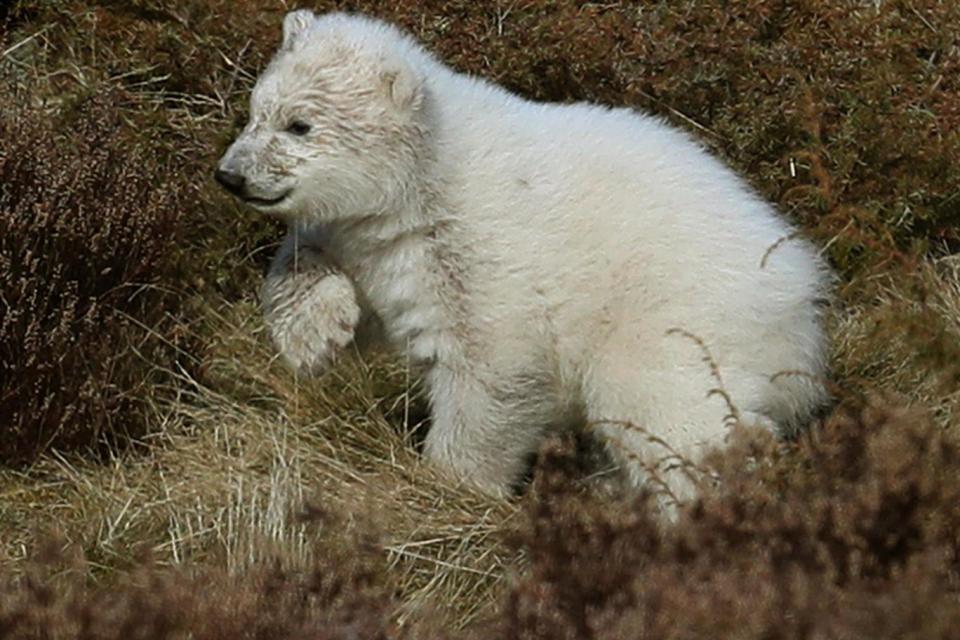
[[298, 128]]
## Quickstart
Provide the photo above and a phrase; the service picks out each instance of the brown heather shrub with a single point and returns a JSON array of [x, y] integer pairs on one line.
[[89, 221], [343, 596], [854, 532]]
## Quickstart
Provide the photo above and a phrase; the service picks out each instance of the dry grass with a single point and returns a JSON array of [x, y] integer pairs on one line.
[[238, 453], [905, 339]]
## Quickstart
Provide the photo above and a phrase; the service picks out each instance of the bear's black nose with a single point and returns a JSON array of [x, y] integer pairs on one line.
[[232, 182]]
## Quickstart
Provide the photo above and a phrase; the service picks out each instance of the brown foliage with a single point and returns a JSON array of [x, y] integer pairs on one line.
[[89, 222], [341, 597], [854, 532]]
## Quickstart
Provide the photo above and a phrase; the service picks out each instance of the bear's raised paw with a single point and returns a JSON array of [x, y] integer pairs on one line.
[[310, 308]]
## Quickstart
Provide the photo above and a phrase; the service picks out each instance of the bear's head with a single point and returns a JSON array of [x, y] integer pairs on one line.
[[336, 121]]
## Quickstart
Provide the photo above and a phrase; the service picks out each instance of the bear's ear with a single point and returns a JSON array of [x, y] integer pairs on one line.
[[403, 86], [296, 25]]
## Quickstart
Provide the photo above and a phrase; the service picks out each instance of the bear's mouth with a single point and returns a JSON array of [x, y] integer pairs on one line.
[[266, 202]]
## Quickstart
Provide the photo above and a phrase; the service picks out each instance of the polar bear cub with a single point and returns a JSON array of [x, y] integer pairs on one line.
[[544, 264]]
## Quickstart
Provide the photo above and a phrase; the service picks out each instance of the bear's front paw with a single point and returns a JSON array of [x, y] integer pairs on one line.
[[311, 311]]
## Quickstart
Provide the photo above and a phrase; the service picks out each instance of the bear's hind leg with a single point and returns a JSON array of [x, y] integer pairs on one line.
[[657, 423]]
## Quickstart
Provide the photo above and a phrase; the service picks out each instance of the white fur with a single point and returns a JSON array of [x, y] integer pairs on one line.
[[311, 309], [544, 263]]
